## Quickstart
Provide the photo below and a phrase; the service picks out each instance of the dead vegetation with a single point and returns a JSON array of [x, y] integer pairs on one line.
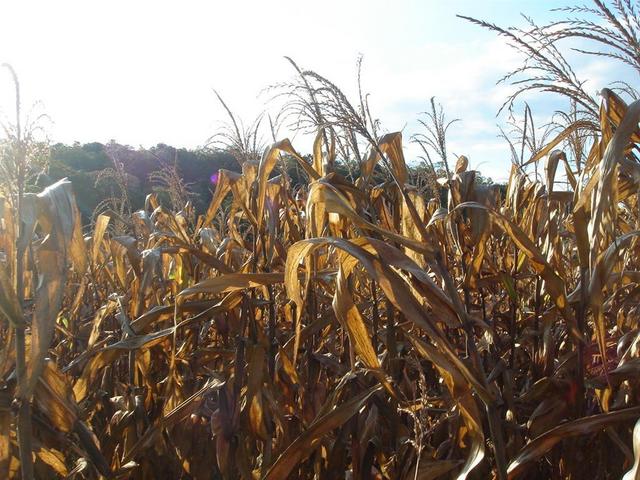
[[349, 329]]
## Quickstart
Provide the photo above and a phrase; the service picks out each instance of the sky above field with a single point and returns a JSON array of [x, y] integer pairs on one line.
[[143, 72]]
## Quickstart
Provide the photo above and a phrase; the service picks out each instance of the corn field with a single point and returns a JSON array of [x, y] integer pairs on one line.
[[350, 327]]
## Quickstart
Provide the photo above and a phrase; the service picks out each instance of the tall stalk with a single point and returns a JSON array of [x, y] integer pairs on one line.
[[22, 401]]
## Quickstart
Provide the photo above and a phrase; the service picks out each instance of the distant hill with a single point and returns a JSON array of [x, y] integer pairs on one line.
[[85, 164]]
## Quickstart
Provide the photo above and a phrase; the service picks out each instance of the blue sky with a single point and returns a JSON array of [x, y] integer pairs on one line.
[[143, 72]]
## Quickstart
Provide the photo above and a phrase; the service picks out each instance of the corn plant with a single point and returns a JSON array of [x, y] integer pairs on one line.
[[351, 327]]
